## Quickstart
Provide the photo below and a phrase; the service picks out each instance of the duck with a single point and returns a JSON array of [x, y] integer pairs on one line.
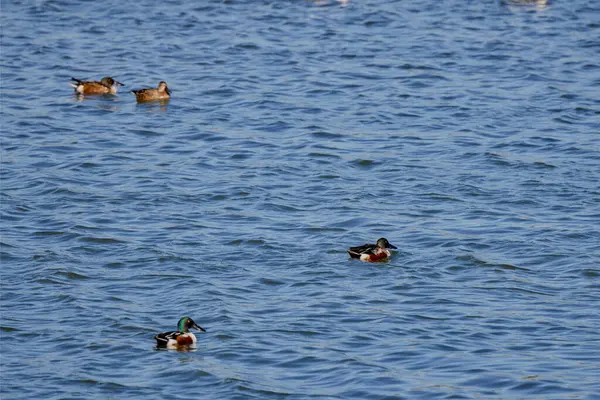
[[162, 92], [372, 252], [181, 337], [107, 85]]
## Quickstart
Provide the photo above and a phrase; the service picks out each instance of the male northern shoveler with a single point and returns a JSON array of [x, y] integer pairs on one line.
[[372, 252], [162, 92], [181, 337], [107, 85]]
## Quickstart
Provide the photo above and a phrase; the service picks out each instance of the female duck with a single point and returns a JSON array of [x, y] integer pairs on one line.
[[372, 252], [162, 92], [107, 85], [181, 337]]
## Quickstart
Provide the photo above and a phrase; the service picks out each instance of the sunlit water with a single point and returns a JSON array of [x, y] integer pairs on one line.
[[467, 133]]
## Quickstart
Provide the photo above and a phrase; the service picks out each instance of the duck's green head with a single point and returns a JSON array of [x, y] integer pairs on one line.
[[383, 242], [110, 82], [186, 323]]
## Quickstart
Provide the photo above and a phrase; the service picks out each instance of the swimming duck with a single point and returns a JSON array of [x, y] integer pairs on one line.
[[181, 337], [162, 92], [372, 252], [107, 85]]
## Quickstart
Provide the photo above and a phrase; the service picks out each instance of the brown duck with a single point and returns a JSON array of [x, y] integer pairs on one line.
[[162, 92], [107, 85]]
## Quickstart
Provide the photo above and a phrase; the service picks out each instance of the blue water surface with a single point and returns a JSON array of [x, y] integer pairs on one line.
[[465, 132]]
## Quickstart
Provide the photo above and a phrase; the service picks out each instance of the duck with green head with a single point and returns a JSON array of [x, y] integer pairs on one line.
[[107, 85], [372, 252], [181, 337]]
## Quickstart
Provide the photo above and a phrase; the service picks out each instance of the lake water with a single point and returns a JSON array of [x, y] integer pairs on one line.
[[465, 132]]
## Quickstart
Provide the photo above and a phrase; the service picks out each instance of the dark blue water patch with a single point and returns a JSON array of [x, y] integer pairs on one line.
[[252, 175]]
